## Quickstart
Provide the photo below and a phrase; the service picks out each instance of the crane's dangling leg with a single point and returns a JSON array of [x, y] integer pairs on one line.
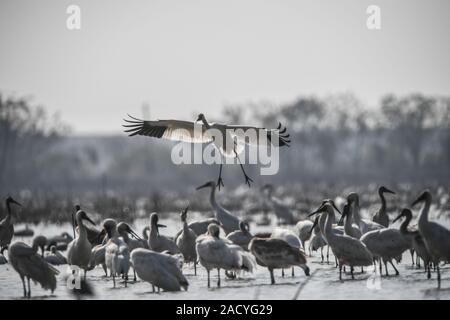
[[247, 178], [219, 180]]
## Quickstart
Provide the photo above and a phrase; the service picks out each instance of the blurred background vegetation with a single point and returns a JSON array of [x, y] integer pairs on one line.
[[336, 141]]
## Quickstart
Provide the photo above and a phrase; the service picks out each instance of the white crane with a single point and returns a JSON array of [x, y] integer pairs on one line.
[[242, 236], [6, 225], [216, 253], [186, 241], [227, 221], [277, 254], [160, 269], [381, 216], [417, 240], [79, 250], [364, 225], [30, 265], [157, 242], [348, 251], [281, 210], [230, 140], [436, 236], [117, 254]]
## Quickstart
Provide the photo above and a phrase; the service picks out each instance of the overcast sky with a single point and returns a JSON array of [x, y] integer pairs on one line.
[[188, 56]]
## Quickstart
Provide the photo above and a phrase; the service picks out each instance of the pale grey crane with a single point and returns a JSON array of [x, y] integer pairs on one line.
[[385, 245], [364, 225], [317, 241], [227, 221], [230, 140], [381, 216], [304, 230], [277, 254], [215, 253], [79, 250], [30, 265], [436, 236], [40, 241], [157, 242], [281, 210], [159, 269], [117, 254], [288, 236], [347, 250], [186, 241], [241, 237], [6, 225], [416, 239]]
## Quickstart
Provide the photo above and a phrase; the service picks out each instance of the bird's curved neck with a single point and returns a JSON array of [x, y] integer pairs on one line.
[[328, 224], [81, 228], [125, 236], [185, 226], [356, 215], [383, 202], [405, 224], [205, 123], [424, 214]]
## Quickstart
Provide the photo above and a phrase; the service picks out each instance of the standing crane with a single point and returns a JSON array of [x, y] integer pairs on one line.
[[6, 225], [381, 216]]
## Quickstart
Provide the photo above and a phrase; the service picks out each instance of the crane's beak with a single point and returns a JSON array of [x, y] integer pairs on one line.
[[388, 191], [134, 234], [89, 219], [161, 225], [314, 224], [314, 212], [399, 216], [335, 207], [203, 186], [419, 199], [15, 202], [341, 220]]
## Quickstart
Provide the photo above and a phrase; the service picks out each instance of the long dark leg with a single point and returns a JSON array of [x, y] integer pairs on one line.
[[272, 278], [321, 253], [328, 254], [412, 257], [29, 289], [134, 273], [340, 272], [24, 288], [385, 267], [381, 267], [282, 273], [209, 283], [351, 271], [218, 275], [247, 178], [84, 274], [114, 279], [438, 276], [219, 180], [396, 271], [362, 269], [195, 267], [293, 274], [335, 259], [428, 266]]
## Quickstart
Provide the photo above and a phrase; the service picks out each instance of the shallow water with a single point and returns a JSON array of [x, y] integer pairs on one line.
[[322, 284]]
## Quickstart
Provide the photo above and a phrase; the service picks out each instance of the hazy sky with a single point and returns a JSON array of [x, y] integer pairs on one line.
[[186, 56]]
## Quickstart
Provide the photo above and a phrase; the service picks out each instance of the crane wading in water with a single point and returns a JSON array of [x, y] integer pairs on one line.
[[231, 142]]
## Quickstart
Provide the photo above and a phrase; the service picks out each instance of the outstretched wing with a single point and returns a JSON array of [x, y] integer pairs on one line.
[[251, 135], [175, 130]]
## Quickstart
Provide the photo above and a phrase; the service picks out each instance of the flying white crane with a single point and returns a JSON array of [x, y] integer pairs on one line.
[[230, 140]]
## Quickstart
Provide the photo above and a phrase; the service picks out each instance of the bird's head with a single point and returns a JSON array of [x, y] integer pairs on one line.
[[326, 207], [10, 200], [183, 214], [383, 189], [40, 242], [404, 213], [352, 198], [424, 196], [81, 215], [305, 269], [154, 221], [214, 230], [53, 249], [109, 225], [125, 227], [209, 184], [201, 117], [345, 212]]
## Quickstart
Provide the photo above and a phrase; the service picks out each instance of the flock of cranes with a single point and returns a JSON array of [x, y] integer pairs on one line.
[[158, 259], [354, 242]]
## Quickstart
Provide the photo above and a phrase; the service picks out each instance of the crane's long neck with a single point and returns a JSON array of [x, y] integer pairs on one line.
[[125, 236], [205, 123], [383, 203], [9, 213], [348, 223], [356, 215], [185, 226], [405, 224], [328, 225], [82, 233], [424, 214], [212, 197]]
